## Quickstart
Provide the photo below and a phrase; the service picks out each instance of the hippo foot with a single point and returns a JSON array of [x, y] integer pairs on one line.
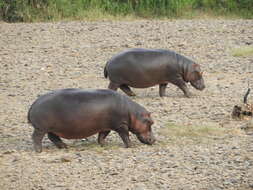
[[38, 148], [102, 144], [188, 95], [128, 145], [61, 145], [101, 137], [131, 94]]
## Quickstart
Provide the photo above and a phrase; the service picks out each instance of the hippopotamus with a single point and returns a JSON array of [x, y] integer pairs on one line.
[[78, 113], [142, 68]]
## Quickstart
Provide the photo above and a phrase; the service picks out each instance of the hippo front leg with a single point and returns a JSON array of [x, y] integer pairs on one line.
[[113, 86], [124, 134], [182, 85], [186, 91]]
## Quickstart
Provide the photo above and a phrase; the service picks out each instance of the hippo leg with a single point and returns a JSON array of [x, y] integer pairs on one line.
[[113, 86], [101, 137], [124, 134], [127, 90], [37, 137], [182, 85], [162, 88], [56, 140]]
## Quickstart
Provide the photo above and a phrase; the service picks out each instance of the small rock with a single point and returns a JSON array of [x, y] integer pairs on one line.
[[126, 46], [11, 95], [9, 152], [138, 43], [65, 159]]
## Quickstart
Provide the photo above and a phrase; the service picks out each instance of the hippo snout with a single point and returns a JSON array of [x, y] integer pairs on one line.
[[199, 84], [202, 87], [151, 141], [147, 140]]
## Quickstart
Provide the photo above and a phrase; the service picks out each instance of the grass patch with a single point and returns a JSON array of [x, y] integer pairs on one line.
[[188, 133], [243, 51], [52, 10]]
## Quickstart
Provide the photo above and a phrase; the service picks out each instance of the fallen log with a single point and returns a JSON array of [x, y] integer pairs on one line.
[[245, 110]]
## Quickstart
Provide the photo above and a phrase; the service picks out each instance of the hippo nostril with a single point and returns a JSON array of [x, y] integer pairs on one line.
[[151, 140]]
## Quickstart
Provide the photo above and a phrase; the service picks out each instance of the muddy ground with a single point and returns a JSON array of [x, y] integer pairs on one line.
[[39, 57]]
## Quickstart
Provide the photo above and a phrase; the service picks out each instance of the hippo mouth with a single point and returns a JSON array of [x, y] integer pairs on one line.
[[198, 85], [149, 140]]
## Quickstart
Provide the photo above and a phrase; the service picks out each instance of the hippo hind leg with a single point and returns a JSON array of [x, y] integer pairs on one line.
[[56, 140], [37, 137], [162, 88], [101, 137], [113, 86], [127, 90]]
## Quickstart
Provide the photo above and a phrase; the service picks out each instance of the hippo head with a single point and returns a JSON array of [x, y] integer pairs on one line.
[[141, 127], [195, 77]]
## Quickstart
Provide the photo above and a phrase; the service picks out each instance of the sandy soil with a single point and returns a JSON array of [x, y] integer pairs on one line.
[[39, 57]]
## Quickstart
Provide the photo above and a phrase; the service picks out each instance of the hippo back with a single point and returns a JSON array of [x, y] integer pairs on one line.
[[142, 67], [66, 102]]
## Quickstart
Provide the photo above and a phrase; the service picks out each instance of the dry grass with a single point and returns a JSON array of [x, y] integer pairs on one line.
[[181, 134], [243, 51], [92, 145]]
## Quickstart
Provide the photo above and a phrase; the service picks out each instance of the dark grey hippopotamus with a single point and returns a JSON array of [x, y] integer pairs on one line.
[[142, 68], [76, 114]]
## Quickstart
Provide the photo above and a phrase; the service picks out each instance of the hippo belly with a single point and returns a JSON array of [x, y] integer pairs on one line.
[[81, 127], [141, 75]]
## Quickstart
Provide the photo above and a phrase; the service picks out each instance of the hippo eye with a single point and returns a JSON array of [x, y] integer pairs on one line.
[[197, 76], [148, 122]]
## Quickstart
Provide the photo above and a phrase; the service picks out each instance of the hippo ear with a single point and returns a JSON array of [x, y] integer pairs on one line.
[[149, 114]]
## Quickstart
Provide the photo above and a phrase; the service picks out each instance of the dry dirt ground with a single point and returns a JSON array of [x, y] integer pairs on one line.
[[39, 57]]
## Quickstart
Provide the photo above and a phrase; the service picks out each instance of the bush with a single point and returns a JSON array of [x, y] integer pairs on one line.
[[9, 10], [33, 10]]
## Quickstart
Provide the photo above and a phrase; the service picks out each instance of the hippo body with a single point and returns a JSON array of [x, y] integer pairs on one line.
[[77, 113], [142, 68]]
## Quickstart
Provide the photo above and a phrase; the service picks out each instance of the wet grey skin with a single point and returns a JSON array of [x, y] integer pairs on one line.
[[78, 113]]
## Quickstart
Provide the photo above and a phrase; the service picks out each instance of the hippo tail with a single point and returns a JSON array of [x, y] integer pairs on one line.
[[105, 71], [28, 115]]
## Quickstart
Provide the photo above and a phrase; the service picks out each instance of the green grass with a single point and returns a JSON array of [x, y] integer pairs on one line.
[[243, 51], [184, 134], [194, 131], [52, 10]]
